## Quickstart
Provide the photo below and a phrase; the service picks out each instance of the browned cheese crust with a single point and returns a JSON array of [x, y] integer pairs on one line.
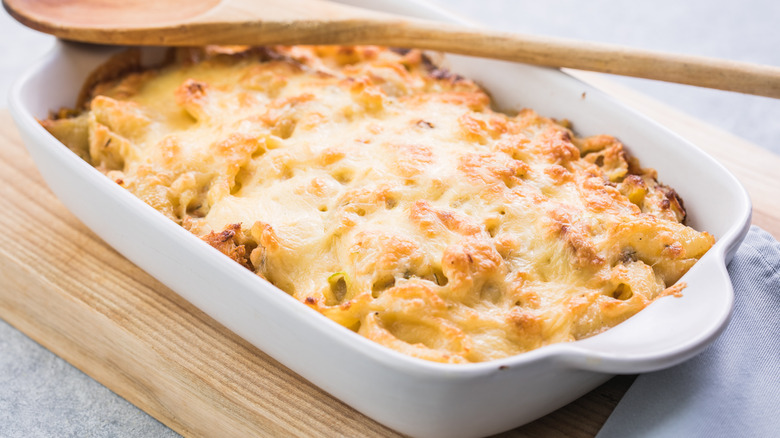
[[389, 196]]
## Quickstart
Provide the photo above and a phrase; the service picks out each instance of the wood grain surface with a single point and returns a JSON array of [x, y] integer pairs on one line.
[[73, 294]]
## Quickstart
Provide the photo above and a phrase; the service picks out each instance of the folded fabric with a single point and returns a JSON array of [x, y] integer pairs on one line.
[[732, 389]]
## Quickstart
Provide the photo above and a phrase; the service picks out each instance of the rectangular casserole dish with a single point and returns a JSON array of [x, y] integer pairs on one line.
[[410, 395]]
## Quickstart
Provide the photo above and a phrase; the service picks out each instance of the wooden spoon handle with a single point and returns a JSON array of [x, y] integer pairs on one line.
[[548, 51], [321, 22], [701, 71]]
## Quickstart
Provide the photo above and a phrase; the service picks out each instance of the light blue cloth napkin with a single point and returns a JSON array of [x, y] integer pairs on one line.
[[732, 389]]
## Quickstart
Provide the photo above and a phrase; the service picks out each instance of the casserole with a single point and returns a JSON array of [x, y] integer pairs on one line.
[[413, 396]]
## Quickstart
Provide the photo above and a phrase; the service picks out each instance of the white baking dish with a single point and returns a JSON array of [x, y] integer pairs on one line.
[[410, 395]]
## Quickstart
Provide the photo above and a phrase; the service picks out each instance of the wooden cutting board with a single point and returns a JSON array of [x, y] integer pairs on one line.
[[73, 294]]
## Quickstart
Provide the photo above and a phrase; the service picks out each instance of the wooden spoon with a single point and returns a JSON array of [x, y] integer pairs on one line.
[[259, 22]]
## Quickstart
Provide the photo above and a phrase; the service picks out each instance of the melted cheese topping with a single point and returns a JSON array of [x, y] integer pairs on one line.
[[388, 195]]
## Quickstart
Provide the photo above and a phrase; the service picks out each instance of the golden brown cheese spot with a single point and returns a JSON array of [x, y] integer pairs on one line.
[[433, 221], [412, 159], [601, 197], [226, 243], [386, 193], [192, 96], [492, 169], [516, 146], [351, 55], [330, 156], [527, 298], [394, 79], [264, 235], [479, 129], [612, 160], [556, 145], [559, 174], [238, 146], [357, 203], [577, 238], [320, 187], [370, 97], [380, 258], [595, 143], [528, 326], [282, 114], [471, 266]]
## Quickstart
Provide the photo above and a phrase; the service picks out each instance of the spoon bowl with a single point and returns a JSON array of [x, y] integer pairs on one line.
[[69, 13]]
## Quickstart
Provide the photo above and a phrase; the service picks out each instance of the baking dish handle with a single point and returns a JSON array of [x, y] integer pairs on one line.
[[666, 333]]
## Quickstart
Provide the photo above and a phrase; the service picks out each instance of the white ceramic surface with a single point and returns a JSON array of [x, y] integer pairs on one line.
[[410, 395]]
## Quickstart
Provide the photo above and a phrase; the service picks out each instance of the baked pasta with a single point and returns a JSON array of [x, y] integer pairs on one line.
[[386, 194]]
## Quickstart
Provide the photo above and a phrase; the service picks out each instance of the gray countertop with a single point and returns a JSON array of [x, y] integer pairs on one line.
[[41, 395]]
